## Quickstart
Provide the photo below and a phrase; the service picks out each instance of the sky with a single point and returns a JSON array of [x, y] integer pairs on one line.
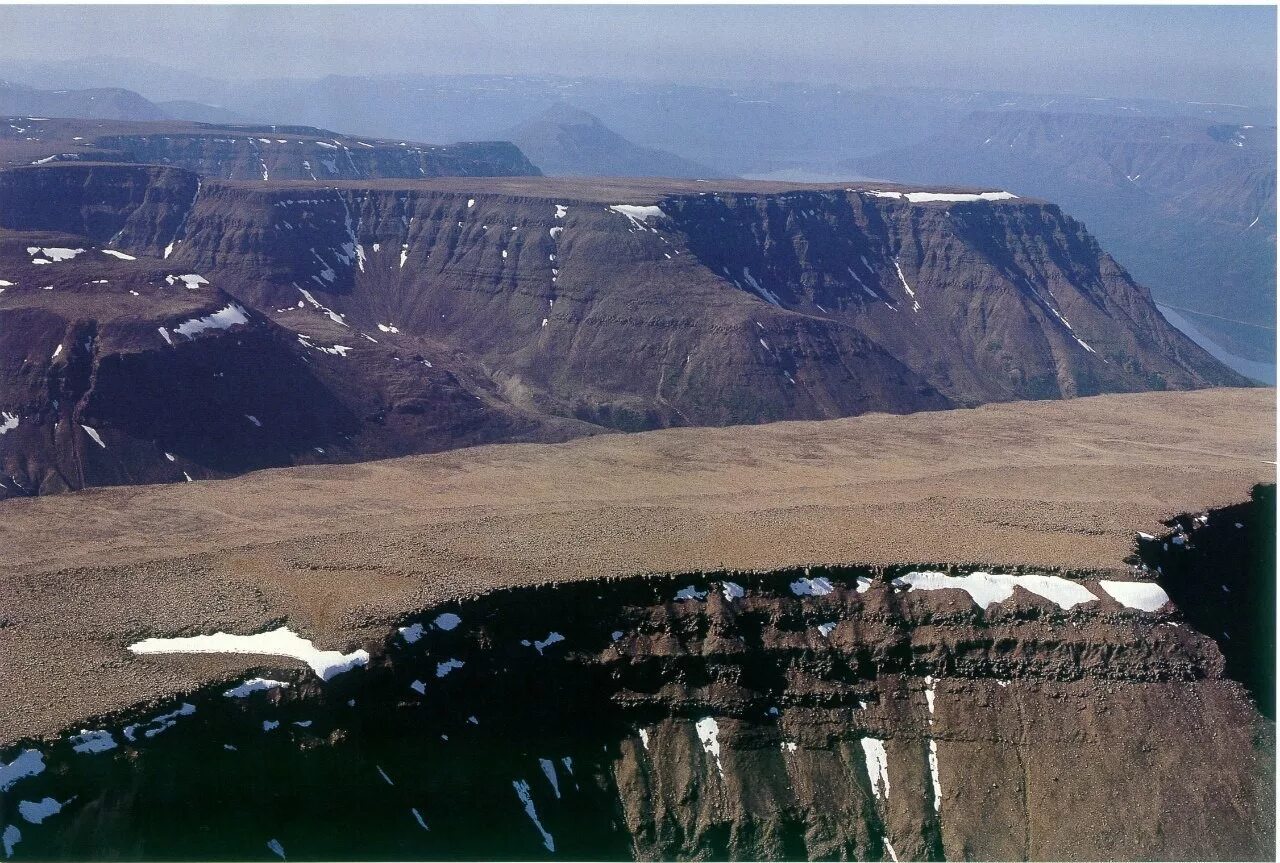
[[1210, 53]]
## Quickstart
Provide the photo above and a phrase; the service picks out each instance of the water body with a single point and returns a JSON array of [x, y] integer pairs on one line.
[[1261, 372]]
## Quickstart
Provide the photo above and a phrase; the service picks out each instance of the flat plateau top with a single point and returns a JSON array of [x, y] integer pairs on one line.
[[600, 190], [341, 553]]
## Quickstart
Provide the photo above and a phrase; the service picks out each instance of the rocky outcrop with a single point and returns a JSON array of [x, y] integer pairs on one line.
[[803, 714], [551, 312]]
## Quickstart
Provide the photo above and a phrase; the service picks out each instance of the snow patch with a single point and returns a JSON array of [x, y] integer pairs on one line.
[[877, 766], [30, 762], [277, 642], [1142, 595], [709, 733], [93, 433], [35, 811], [522, 791], [254, 684], [811, 587], [224, 319], [92, 741], [638, 214], [985, 588]]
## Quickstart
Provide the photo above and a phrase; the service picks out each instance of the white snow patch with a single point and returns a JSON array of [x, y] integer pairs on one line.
[[953, 197], [826, 629], [764, 293], [277, 642], [121, 255], [35, 811], [388, 328], [1142, 595], [411, 633], [443, 668], [30, 762], [56, 351], [417, 816], [933, 773], [732, 590], [561, 211], [8, 422], [54, 254], [877, 766], [224, 319], [644, 739], [522, 791], [93, 433], [811, 587], [638, 214], [92, 741], [191, 280], [11, 837], [986, 588], [709, 734], [690, 592], [552, 638], [276, 848], [254, 684], [447, 621], [549, 770]]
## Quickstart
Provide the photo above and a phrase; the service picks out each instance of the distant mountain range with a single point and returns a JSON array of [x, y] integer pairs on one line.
[[106, 103], [565, 141], [1185, 224]]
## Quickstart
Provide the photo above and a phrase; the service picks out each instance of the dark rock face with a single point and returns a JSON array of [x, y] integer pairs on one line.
[[418, 318], [1211, 565], [806, 714], [258, 153], [1187, 205]]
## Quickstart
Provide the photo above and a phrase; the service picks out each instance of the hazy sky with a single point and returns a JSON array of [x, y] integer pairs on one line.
[[1181, 52]]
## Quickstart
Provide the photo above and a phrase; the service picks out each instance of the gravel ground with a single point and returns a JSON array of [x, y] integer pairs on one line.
[[342, 552]]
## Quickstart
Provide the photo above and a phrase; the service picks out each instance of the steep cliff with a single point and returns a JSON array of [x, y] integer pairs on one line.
[[554, 308], [249, 152], [803, 714]]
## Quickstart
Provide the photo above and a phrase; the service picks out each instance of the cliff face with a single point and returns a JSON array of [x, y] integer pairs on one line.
[[805, 714], [547, 311], [254, 153], [1187, 205]]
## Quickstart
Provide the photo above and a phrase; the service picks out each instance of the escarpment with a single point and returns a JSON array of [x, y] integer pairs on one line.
[[444, 313], [884, 714], [257, 153]]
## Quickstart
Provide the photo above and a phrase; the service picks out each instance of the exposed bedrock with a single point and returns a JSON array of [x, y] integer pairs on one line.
[[431, 317], [821, 713]]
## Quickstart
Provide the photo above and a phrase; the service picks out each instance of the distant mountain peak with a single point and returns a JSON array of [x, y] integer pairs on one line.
[[565, 114], [567, 141]]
